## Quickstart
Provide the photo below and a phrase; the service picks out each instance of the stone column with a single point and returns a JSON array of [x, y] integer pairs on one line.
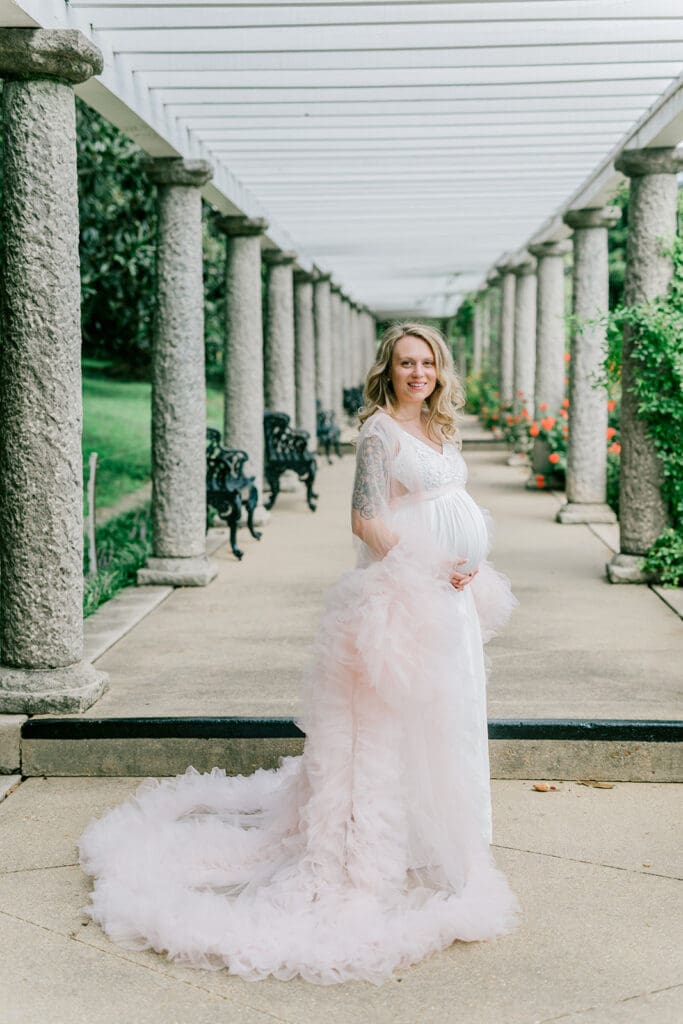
[[587, 446], [550, 325], [477, 334], [304, 334], [371, 342], [41, 495], [347, 353], [337, 348], [278, 340], [178, 380], [524, 360], [485, 301], [323, 340], [243, 358], [506, 334], [357, 342], [643, 514], [492, 354]]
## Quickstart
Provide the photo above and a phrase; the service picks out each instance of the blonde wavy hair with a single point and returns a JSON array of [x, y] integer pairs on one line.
[[447, 398]]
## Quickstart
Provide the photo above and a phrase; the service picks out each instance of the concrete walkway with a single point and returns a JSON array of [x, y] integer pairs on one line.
[[577, 646], [597, 873]]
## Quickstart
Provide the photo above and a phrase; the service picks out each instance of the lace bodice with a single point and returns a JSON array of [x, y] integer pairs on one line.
[[436, 469]]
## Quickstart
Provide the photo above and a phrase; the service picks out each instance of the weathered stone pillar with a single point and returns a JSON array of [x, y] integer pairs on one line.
[[370, 342], [337, 336], [41, 525], [587, 447], [243, 359], [357, 341], [492, 350], [485, 301], [347, 354], [178, 380], [323, 340], [524, 361], [278, 340], [643, 514], [477, 334], [304, 335], [506, 334], [550, 325]]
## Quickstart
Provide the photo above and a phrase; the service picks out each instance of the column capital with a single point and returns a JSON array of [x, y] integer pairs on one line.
[[550, 248], [505, 267], [493, 277], [279, 257], [174, 170], [236, 226], [593, 217], [336, 288], [302, 276], [636, 163], [524, 267], [64, 55]]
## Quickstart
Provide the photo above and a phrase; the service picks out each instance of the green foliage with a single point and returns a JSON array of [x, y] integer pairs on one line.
[[480, 391], [656, 333], [118, 222], [117, 205], [616, 248], [123, 546]]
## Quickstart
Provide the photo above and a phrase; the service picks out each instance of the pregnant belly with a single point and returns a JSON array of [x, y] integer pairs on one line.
[[454, 521]]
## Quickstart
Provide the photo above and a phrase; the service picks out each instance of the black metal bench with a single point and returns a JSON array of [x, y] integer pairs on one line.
[[352, 401], [329, 434], [287, 448], [226, 484]]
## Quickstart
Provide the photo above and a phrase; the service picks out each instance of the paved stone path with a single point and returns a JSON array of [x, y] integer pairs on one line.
[[597, 873], [576, 647]]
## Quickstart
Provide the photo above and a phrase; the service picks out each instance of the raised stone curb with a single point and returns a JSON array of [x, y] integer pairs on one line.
[[10, 743], [558, 749]]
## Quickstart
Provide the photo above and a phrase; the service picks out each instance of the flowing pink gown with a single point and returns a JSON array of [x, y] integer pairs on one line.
[[371, 849]]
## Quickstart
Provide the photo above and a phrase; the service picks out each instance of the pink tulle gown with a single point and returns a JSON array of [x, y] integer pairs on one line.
[[371, 850]]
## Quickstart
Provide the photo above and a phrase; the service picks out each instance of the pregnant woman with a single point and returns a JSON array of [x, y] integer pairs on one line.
[[372, 849]]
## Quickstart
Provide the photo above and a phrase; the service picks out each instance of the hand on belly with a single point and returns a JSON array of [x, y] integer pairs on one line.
[[459, 579]]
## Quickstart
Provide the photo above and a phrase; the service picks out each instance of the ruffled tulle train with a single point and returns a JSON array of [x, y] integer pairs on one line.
[[366, 853]]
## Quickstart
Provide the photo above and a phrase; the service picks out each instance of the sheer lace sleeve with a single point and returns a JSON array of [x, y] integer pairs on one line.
[[370, 499], [371, 483]]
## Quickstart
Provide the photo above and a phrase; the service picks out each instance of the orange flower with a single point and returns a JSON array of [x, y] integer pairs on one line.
[[565, 403], [495, 416], [564, 414], [543, 407], [615, 448], [509, 419], [534, 430], [554, 458], [548, 423], [610, 433], [567, 356], [611, 405], [525, 414], [540, 480], [566, 380], [565, 431]]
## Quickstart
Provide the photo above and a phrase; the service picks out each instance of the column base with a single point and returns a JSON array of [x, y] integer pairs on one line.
[[518, 459], [41, 691], [585, 512], [177, 572], [626, 569]]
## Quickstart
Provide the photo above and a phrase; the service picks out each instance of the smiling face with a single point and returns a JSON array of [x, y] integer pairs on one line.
[[413, 370]]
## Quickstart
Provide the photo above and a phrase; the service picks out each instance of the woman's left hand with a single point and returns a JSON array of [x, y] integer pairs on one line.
[[459, 580]]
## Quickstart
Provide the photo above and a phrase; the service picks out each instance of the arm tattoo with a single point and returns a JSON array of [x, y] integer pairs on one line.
[[371, 484]]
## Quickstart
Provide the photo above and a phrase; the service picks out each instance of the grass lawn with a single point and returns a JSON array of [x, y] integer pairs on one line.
[[116, 425]]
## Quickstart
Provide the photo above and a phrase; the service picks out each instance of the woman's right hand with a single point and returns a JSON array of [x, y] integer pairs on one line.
[[458, 579]]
